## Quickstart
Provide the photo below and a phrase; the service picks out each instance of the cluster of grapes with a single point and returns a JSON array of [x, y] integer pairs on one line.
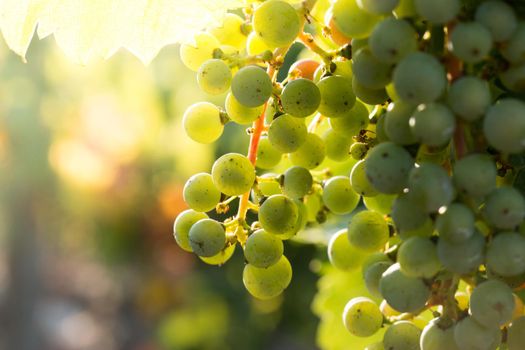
[[421, 101]]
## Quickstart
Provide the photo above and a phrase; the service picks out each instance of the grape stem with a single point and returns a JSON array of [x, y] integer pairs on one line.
[[308, 40]]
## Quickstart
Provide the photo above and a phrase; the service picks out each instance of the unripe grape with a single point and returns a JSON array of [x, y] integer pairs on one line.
[[221, 257], [337, 146], [362, 317], [506, 254], [297, 182], [437, 337], [469, 334], [368, 230], [240, 113], [338, 195], [230, 31], [182, 226], [498, 17], [207, 237], [505, 208], [267, 283], [193, 55], [470, 41], [214, 77], [475, 175], [402, 335], [469, 97], [342, 254], [351, 20], [492, 303], [311, 153], [504, 125], [287, 133], [352, 122], [392, 39], [378, 7], [300, 98], [278, 214], [276, 22], [359, 181], [233, 174], [200, 193], [202, 122], [433, 124], [263, 249], [251, 86], [337, 96]]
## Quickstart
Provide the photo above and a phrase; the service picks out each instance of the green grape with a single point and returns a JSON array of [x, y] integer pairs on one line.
[[402, 335], [352, 122], [239, 113], [514, 51], [362, 317], [269, 188], [403, 293], [498, 17], [267, 283], [407, 213], [369, 71], [382, 203], [436, 337], [300, 98], [433, 124], [256, 46], [475, 175], [506, 254], [358, 150], [263, 249], [469, 97], [314, 204], [392, 93], [378, 7], [372, 259], [387, 166], [504, 125], [297, 182], [492, 303], [233, 174], [278, 214], [456, 224], [430, 185], [267, 155], [358, 44], [397, 127], [300, 224], [230, 32], [207, 237], [359, 181], [338, 195], [368, 231], [182, 226], [194, 55], [417, 257], [287, 133], [419, 78], [392, 39], [337, 145], [373, 275], [220, 258], [425, 230], [343, 68], [470, 335], [251, 86], [276, 22], [337, 96], [464, 257], [438, 12], [200, 193], [351, 20], [516, 334], [505, 208], [214, 77], [406, 8], [368, 96], [311, 153], [470, 41], [202, 122]]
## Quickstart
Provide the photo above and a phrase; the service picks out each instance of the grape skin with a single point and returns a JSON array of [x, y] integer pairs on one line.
[[492, 303], [337, 96], [251, 86], [220, 258], [194, 55], [300, 98], [475, 175], [337, 146], [402, 335], [240, 113], [202, 122], [351, 20], [392, 39], [372, 276], [498, 17], [506, 254], [233, 174], [417, 257], [505, 208], [368, 230], [504, 125], [437, 12], [267, 156], [297, 182], [362, 317], [287, 133], [470, 41], [470, 335], [278, 214], [435, 337], [200, 193], [342, 254], [214, 77], [267, 283], [433, 124], [263, 249], [456, 224], [207, 237], [359, 181], [276, 23], [469, 97], [338, 195]]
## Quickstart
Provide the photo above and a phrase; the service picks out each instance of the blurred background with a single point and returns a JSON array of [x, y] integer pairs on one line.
[[92, 163]]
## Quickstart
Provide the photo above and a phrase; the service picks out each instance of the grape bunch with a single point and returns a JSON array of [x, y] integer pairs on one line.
[[406, 118]]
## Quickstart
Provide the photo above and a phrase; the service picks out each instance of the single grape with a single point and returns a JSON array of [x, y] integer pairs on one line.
[[516, 334], [469, 97], [382, 203], [337, 96], [267, 155], [358, 150], [504, 125], [359, 181], [403, 293], [470, 41], [407, 213], [343, 67], [240, 113], [514, 51], [200, 193], [278, 214], [263, 249], [430, 185], [498, 17], [397, 126], [351, 20], [372, 276], [267, 283], [392, 39], [492, 303], [233, 174], [297, 182], [475, 175], [337, 145], [335, 34], [202, 122], [378, 7], [195, 54], [369, 71], [355, 120], [220, 258], [406, 8], [433, 124], [438, 337], [338, 195], [438, 12], [368, 231], [311, 153], [505, 208], [303, 68], [402, 335], [230, 31], [456, 224], [417, 257], [469, 334], [267, 188], [207, 237], [276, 22], [362, 317], [182, 226], [368, 96], [251, 86], [287, 133], [256, 46], [342, 254], [300, 98], [464, 257], [506, 254], [214, 77], [387, 167], [419, 77]]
